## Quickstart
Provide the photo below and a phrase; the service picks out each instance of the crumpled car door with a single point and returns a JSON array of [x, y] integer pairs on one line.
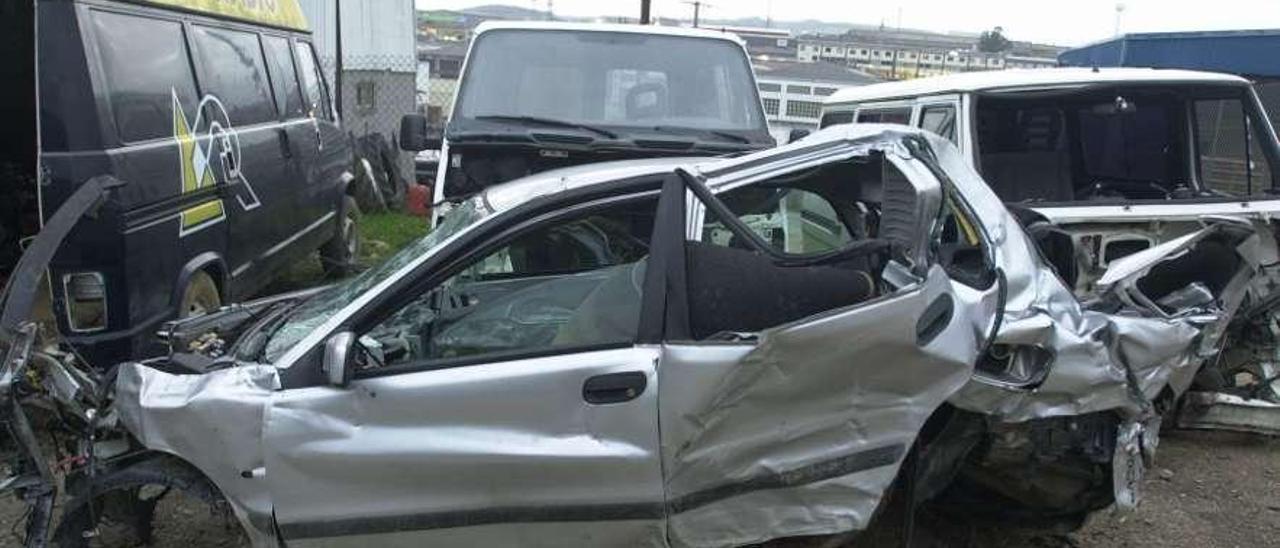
[[802, 429]]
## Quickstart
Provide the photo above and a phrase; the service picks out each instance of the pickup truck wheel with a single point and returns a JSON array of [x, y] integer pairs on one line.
[[338, 256], [200, 296]]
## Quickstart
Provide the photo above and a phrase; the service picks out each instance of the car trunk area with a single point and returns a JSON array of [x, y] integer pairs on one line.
[[19, 203]]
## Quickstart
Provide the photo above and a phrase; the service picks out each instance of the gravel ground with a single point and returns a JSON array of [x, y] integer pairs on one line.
[[1209, 489]]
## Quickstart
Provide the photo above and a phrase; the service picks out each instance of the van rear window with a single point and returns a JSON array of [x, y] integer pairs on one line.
[[232, 69], [144, 67]]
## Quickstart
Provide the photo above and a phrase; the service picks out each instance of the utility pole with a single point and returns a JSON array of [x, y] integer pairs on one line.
[[697, 10], [644, 12], [1119, 15], [337, 57]]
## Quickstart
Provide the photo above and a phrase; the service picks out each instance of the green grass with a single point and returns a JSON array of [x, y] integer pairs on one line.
[[387, 233], [382, 234]]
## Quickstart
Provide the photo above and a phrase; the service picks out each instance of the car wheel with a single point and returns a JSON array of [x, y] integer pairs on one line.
[[153, 503], [200, 296], [339, 255]]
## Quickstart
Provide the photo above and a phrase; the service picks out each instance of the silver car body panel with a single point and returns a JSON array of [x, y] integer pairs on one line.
[[802, 433], [408, 459], [508, 452], [1093, 352], [214, 422]]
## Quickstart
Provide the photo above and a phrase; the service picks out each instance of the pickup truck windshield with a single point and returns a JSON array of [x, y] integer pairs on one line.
[[610, 79]]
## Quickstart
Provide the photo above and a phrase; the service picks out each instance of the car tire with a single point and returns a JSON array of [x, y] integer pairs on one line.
[[200, 297], [338, 256], [121, 509]]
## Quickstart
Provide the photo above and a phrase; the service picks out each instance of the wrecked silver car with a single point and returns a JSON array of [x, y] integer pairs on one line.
[[671, 352]]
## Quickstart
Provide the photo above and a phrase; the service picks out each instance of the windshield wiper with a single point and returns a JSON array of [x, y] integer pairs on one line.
[[548, 122], [718, 133]]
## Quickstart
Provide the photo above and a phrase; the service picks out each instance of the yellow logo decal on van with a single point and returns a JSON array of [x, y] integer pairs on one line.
[[197, 173], [279, 13], [209, 153]]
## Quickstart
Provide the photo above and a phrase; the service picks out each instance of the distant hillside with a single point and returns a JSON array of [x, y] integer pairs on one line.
[[499, 11]]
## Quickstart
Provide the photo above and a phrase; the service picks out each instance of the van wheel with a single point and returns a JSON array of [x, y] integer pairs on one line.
[[339, 255], [200, 297]]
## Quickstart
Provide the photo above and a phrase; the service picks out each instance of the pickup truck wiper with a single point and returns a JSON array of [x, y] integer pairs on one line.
[[548, 122], [718, 133]]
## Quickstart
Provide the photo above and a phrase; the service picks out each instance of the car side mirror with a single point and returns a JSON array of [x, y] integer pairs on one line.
[[337, 358], [797, 134], [416, 135]]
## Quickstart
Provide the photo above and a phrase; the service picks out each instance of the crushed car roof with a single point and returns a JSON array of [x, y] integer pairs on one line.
[[1024, 78]]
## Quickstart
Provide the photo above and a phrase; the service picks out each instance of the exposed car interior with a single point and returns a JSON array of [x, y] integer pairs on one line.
[[576, 281], [857, 215], [1101, 143], [18, 205]]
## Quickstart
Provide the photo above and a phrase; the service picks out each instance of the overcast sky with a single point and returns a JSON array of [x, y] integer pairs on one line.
[[1065, 22]]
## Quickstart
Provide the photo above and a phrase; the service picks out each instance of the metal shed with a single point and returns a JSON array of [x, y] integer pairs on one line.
[[1249, 53]]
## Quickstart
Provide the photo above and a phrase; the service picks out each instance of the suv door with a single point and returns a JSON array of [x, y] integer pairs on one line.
[[507, 403], [790, 410]]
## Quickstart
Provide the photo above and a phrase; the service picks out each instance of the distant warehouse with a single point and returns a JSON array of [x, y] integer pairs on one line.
[[793, 91]]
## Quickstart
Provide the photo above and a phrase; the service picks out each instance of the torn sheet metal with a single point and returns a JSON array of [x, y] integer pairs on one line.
[[1218, 411], [803, 433], [213, 421], [1101, 361]]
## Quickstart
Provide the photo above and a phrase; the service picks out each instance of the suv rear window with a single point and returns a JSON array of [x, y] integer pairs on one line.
[[145, 67]]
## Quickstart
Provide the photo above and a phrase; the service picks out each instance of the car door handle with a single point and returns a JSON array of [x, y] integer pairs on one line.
[[286, 149], [935, 319], [614, 387]]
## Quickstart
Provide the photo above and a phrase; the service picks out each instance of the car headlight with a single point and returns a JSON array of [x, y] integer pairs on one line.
[[86, 301]]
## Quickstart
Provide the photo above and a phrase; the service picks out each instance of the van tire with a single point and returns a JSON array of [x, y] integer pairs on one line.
[[200, 297], [338, 256]]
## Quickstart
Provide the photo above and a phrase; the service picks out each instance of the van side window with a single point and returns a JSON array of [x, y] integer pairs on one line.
[[835, 118], [940, 120], [885, 116], [284, 79], [232, 69], [1229, 158], [315, 98], [145, 66]]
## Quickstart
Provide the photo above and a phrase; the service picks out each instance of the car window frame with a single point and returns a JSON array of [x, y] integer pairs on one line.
[[328, 109], [1257, 130], [203, 71], [98, 69], [728, 180], [507, 227], [924, 107], [283, 109]]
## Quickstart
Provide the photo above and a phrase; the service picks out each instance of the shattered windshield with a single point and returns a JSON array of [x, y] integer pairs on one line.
[[611, 79], [321, 307]]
